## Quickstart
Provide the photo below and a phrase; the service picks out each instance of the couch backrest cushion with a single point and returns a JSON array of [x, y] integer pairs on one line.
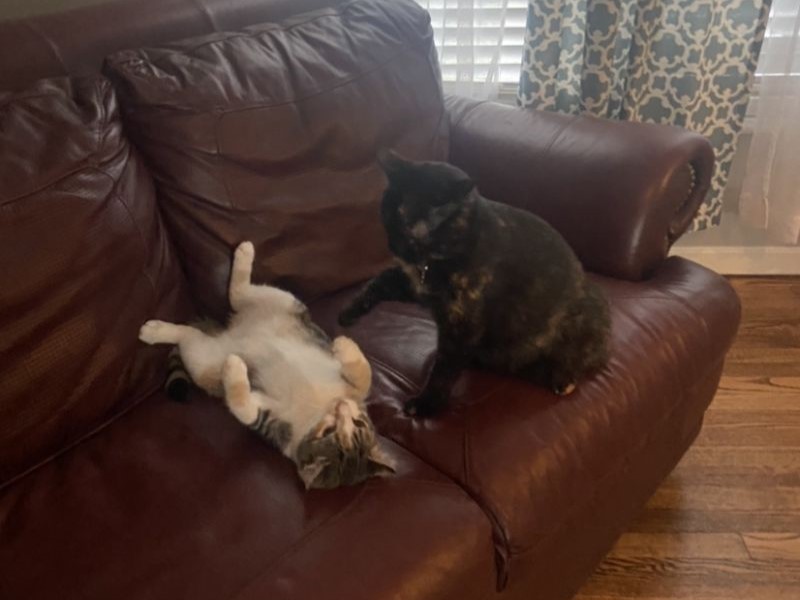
[[84, 261], [271, 134], [47, 45]]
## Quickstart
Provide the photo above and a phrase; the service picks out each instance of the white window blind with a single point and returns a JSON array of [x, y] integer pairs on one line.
[[781, 52], [779, 62], [480, 43]]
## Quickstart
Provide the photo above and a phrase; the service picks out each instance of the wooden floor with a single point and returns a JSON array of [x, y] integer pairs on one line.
[[726, 524]]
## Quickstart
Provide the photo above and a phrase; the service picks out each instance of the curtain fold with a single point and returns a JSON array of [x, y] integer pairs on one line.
[[680, 62], [770, 197]]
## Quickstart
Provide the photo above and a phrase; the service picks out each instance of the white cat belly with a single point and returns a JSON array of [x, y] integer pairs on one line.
[[302, 378]]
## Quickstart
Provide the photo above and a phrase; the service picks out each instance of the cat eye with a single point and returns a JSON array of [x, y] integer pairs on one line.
[[359, 423], [329, 430]]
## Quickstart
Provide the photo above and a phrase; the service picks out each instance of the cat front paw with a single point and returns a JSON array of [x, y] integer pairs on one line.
[[152, 332], [427, 404]]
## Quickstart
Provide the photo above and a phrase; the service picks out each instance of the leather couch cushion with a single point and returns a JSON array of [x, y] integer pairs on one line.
[[270, 134], [45, 45], [84, 261], [180, 501], [533, 460]]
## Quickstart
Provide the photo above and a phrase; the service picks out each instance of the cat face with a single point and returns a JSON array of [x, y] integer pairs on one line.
[[425, 209], [341, 449]]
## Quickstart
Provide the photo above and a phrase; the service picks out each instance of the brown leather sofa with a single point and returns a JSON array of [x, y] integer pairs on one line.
[[121, 197]]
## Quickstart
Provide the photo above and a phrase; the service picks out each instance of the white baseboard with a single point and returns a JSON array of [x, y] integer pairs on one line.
[[744, 260]]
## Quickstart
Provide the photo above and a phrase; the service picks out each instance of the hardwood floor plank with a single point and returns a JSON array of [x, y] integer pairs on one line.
[[646, 576], [758, 393], [675, 544], [678, 589], [768, 344], [698, 573], [787, 365], [732, 497], [755, 457], [726, 524], [773, 546], [672, 594], [748, 466], [660, 520], [751, 428]]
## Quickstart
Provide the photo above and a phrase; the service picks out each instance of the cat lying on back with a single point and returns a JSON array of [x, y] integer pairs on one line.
[[281, 376], [506, 291]]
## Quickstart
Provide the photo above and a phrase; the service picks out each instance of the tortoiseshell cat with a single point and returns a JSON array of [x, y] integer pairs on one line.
[[506, 291], [281, 376]]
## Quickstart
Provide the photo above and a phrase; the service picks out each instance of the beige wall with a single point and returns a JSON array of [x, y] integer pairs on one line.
[[15, 9]]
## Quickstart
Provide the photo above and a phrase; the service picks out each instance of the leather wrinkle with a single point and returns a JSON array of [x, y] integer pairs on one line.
[[207, 15], [115, 194], [386, 367]]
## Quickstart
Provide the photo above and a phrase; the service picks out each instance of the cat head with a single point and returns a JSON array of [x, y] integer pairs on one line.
[[426, 208], [341, 449]]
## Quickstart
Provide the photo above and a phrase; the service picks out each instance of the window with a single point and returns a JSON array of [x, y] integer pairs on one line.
[[480, 44], [779, 63], [781, 52]]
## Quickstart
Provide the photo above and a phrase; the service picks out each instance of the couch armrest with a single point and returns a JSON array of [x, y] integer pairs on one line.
[[620, 193]]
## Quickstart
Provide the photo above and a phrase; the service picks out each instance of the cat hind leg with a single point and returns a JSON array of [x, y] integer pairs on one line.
[[241, 273], [253, 409], [242, 291], [238, 395]]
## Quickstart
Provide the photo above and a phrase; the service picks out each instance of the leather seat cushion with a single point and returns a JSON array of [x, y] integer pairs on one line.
[[180, 501], [529, 457]]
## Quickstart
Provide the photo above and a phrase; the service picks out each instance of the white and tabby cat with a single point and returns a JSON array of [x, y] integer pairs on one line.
[[282, 376]]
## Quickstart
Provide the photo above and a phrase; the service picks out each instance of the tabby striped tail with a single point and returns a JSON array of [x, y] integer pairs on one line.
[[178, 381]]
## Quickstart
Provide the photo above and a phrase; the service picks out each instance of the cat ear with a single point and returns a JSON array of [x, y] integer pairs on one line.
[[310, 471], [461, 188], [380, 464], [391, 162]]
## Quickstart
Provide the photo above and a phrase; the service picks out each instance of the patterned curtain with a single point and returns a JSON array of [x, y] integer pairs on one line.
[[680, 62]]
